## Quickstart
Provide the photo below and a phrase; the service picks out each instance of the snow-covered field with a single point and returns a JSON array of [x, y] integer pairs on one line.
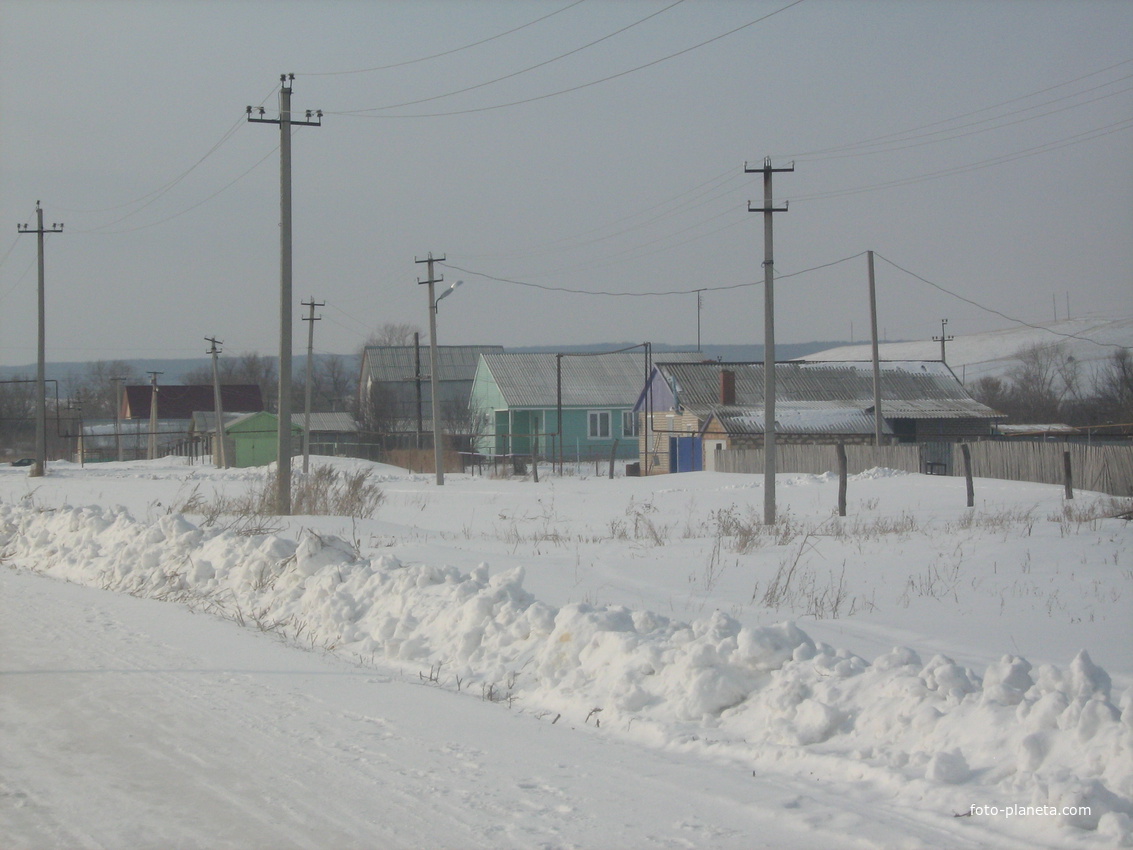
[[579, 662]]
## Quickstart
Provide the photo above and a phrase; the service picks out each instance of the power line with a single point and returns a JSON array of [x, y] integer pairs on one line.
[[993, 311], [875, 139], [443, 53], [357, 113], [100, 229], [150, 197], [900, 144], [1002, 159], [537, 65], [644, 294]]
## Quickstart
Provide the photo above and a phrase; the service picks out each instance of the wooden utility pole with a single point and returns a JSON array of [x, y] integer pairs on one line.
[[312, 304], [768, 336], [41, 348], [877, 421], [283, 440], [217, 405]]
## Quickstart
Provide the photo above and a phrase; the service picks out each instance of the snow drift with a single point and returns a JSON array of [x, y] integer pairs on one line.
[[1044, 736]]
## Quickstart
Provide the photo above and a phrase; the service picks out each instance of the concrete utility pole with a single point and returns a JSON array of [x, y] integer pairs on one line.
[[217, 406], [768, 336], [151, 453], [285, 122], [118, 416], [877, 421], [942, 339], [438, 449], [41, 349], [307, 390]]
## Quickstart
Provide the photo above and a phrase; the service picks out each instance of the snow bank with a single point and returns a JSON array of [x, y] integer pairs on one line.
[[1042, 736]]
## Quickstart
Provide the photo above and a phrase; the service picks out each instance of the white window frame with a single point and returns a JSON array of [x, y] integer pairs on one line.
[[594, 421], [629, 418]]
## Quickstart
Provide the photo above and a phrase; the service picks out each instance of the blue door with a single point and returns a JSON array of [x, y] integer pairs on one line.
[[685, 454]]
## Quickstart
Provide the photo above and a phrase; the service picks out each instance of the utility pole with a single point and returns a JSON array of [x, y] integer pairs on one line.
[[283, 441], [41, 349], [699, 304], [942, 339], [307, 391], [217, 405], [118, 381], [877, 421], [438, 454], [152, 452], [768, 336]]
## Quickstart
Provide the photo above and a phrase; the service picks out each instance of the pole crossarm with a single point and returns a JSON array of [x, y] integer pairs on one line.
[[769, 427], [313, 118], [41, 343]]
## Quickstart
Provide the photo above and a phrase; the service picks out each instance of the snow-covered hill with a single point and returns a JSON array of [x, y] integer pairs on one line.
[[1091, 342]]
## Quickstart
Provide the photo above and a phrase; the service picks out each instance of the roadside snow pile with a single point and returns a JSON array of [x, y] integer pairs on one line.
[[1043, 736]]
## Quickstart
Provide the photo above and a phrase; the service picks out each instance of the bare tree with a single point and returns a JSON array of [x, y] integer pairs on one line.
[[1113, 388], [247, 368], [96, 387], [392, 333], [17, 416], [1039, 384], [335, 382]]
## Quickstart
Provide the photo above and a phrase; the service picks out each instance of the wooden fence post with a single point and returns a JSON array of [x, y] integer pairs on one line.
[[966, 453], [840, 449], [1068, 474], [613, 453]]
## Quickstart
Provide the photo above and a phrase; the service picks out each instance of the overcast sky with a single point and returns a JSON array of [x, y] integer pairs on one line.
[[986, 147]]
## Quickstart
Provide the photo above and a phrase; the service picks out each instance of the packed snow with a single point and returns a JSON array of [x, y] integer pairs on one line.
[[914, 674], [1090, 342]]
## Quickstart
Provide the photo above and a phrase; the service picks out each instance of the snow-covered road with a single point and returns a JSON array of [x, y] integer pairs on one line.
[[130, 723]]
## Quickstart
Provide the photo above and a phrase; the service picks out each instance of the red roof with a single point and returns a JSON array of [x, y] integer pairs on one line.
[[181, 401]]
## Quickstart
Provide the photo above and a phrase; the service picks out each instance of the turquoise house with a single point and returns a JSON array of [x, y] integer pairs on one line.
[[518, 397]]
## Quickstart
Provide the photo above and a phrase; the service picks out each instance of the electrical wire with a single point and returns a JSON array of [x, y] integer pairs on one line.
[[102, 231], [642, 294], [443, 53], [1002, 159], [150, 197], [537, 65], [875, 139], [359, 114], [900, 145], [991, 310]]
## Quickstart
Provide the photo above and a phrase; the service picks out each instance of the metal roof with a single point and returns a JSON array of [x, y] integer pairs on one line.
[[395, 363], [340, 421], [530, 379], [826, 396]]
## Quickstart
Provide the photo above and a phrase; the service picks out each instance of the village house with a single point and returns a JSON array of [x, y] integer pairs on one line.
[[690, 411]]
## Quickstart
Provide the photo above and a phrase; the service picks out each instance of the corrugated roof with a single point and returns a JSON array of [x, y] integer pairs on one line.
[[395, 363], [812, 396], [340, 421], [529, 379]]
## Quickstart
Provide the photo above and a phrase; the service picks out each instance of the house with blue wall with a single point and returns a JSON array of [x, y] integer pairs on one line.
[[573, 406]]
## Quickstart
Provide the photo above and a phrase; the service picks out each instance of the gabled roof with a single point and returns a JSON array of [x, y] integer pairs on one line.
[[181, 401], [530, 379], [835, 397], [338, 422], [397, 363]]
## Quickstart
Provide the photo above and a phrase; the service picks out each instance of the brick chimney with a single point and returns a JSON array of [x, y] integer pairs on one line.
[[727, 386]]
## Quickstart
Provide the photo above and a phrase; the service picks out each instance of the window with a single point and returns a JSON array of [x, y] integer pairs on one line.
[[629, 424], [599, 424]]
